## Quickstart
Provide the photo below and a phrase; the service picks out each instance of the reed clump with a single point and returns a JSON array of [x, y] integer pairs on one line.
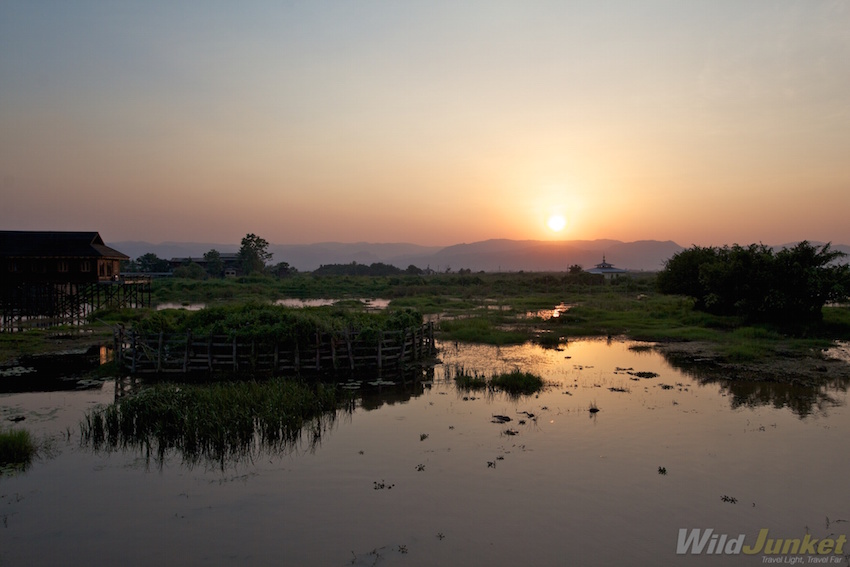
[[467, 381], [17, 448], [514, 383], [221, 423], [518, 383]]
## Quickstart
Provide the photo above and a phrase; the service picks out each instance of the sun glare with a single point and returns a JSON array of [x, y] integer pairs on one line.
[[557, 223]]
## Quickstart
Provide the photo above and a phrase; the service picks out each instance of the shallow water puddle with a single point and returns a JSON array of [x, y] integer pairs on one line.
[[424, 474]]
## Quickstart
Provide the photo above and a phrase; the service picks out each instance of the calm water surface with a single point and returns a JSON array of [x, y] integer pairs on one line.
[[421, 475]]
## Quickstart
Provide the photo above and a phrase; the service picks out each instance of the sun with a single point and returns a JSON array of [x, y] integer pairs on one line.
[[557, 223]]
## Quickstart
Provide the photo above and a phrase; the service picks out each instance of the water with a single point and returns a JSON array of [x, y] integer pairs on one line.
[[424, 476], [375, 304]]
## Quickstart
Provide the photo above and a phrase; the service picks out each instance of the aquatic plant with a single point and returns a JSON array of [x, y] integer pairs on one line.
[[485, 329], [263, 321], [465, 380], [17, 448], [222, 422], [518, 383]]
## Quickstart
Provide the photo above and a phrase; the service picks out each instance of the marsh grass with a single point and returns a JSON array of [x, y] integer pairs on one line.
[[476, 308], [515, 383], [465, 380], [485, 329], [222, 423], [518, 383], [17, 449]]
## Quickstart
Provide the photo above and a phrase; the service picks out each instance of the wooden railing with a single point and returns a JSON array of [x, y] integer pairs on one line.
[[320, 353]]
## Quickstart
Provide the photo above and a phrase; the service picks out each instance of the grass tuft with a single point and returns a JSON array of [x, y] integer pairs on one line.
[[518, 383], [17, 448]]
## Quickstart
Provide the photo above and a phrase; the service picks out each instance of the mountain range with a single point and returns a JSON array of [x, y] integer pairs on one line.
[[489, 255]]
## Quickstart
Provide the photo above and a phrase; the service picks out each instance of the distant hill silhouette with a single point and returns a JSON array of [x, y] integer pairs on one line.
[[488, 255]]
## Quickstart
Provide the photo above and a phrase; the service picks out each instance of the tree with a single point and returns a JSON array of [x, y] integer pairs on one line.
[[575, 269], [253, 254], [681, 273], [215, 265], [151, 263], [282, 269], [192, 270], [809, 278], [787, 288]]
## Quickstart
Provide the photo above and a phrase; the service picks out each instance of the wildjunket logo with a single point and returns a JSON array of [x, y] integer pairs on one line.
[[698, 541]]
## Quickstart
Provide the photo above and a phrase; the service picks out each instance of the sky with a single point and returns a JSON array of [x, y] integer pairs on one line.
[[431, 122]]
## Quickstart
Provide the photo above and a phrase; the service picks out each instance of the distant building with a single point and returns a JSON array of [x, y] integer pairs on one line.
[[230, 260], [608, 271]]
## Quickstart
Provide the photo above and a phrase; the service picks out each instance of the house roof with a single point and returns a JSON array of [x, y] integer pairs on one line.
[[36, 244], [606, 268]]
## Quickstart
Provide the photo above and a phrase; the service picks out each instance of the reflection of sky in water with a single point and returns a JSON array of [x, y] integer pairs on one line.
[[371, 303], [569, 488], [547, 314], [368, 303]]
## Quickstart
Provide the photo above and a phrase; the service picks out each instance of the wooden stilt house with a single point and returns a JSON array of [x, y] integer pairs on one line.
[[60, 277]]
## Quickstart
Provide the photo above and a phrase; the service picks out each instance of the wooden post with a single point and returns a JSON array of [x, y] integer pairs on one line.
[[318, 350], [380, 353], [403, 347], [276, 357], [210, 354], [159, 353], [119, 347], [297, 357], [235, 359], [186, 356], [350, 348], [133, 346]]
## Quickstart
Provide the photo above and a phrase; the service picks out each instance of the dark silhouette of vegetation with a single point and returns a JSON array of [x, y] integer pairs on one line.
[[786, 288], [215, 265], [147, 263], [224, 423], [254, 254], [17, 448], [276, 322], [281, 270], [190, 270], [355, 269]]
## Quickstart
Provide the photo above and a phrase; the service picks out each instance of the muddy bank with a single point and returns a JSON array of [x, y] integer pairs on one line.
[[703, 358]]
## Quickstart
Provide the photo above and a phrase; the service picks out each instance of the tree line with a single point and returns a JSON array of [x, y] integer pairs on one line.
[[253, 258], [788, 288]]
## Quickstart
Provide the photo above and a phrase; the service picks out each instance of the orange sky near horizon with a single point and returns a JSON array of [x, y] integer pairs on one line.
[[427, 122]]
